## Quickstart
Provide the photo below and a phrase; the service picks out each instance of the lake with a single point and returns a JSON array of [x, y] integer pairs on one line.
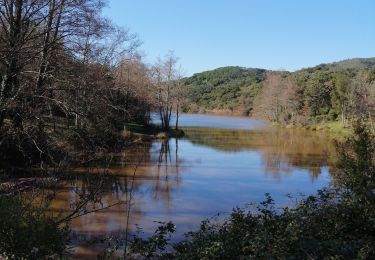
[[221, 163]]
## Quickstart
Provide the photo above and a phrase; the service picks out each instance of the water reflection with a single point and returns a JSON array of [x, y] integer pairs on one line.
[[282, 149], [142, 177], [209, 171]]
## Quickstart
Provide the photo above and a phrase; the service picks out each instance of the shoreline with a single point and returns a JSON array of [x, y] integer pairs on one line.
[[137, 132], [333, 127]]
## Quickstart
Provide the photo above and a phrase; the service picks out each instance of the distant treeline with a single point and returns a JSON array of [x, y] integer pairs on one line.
[[337, 91]]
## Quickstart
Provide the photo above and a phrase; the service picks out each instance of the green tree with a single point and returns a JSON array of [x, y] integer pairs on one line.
[[318, 93], [340, 94]]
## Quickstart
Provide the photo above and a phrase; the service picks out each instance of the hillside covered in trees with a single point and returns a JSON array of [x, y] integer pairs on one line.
[[335, 91], [231, 88]]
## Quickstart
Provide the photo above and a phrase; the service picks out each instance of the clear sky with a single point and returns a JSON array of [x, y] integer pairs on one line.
[[271, 34]]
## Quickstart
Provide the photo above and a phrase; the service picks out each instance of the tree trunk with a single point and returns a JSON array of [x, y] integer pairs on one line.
[[371, 122], [45, 48], [177, 115]]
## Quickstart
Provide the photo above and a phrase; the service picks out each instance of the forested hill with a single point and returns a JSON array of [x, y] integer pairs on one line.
[[223, 88], [338, 90], [349, 64]]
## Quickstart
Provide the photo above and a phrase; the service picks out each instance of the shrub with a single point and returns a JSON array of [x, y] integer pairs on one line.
[[27, 232]]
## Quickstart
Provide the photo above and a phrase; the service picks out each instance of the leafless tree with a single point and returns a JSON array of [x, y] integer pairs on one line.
[[361, 98], [166, 79], [277, 101], [57, 59], [133, 88]]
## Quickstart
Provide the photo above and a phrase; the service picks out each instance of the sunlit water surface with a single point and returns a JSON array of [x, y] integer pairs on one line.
[[221, 163]]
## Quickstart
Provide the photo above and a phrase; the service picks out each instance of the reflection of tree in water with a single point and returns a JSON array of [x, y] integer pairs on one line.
[[167, 173], [103, 213], [277, 165], [157, 173], [133, 178], [282, 149], [163, 181]]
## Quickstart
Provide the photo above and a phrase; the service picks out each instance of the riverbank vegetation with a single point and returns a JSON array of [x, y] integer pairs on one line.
[[336, 92]]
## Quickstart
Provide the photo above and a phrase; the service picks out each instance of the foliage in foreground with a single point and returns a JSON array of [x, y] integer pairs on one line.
[[27, 232], [336, 223]]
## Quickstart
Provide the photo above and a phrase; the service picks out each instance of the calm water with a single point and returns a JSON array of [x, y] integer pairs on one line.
[[223, 162]]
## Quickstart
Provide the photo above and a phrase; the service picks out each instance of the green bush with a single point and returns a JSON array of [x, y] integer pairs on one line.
[[27, 232]]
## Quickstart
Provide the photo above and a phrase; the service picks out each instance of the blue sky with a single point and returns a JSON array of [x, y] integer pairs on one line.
[[271, 34]]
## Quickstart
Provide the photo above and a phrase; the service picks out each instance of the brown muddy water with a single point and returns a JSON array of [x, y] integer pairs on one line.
[[221, 163]]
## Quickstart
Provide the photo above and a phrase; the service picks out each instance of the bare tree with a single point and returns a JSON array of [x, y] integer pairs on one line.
[[361, 98], [57, 58], [277, 101], [133, 90], [166, 79]]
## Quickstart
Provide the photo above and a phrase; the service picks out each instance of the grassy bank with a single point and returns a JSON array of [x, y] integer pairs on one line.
[[335, 128]]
